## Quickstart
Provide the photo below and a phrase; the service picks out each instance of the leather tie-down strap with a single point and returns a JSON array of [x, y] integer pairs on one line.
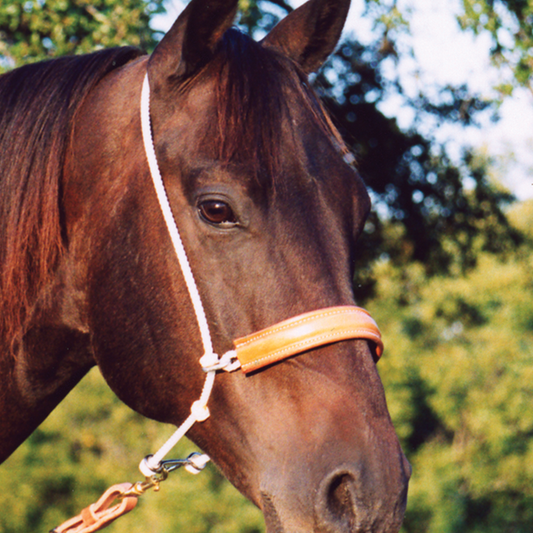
[[305, 332], [100, 514]]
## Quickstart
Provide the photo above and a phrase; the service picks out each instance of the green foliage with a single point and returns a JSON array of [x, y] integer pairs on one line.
[[33, 30], [459, 378], [510, 24], [431, 210], [92, 441], [258, 18]]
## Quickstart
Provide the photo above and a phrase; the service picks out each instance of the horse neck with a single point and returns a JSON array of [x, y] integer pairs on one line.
[[44, 364]]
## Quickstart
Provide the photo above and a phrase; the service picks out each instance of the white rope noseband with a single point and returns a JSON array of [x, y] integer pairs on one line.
[[210, 361]]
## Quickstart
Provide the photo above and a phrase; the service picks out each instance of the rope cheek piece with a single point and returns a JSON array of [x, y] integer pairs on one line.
[[270, 345]]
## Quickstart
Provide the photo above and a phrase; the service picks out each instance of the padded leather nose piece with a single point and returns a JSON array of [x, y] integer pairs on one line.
[[305, 332]]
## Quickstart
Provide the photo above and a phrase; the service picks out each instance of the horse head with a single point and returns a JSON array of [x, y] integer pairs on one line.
[[269, 210]]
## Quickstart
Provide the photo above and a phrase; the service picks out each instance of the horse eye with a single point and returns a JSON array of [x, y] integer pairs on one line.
[[217, 212]]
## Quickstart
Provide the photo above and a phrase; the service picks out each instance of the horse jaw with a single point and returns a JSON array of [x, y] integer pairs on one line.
[[310, 459]]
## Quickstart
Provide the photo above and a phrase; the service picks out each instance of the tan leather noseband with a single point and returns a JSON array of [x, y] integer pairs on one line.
[[305, 332]]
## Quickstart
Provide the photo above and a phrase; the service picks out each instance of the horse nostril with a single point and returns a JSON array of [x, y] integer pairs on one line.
[[353, 499], [340, 501], [341, 498]]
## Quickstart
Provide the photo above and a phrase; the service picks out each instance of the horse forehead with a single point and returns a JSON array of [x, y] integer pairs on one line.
[[296, 135], [272, 137]]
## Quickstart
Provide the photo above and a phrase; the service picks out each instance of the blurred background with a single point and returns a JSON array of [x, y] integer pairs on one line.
[[436, 101]]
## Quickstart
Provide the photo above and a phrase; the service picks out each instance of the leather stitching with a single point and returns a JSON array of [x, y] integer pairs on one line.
[[276, 329]]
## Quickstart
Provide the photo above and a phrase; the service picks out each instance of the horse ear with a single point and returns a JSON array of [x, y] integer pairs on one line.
[[310, 33], [192, 40]]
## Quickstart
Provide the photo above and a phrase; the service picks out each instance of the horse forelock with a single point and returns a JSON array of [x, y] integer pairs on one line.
[[38, 103], [256, 88]]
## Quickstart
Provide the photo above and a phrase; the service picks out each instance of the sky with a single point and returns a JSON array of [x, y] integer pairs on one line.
[[445, 55]]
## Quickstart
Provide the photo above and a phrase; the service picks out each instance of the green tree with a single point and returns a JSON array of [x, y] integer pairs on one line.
[[458, 374], [32, 30], [510, 24], [423, 195], [92, 441]]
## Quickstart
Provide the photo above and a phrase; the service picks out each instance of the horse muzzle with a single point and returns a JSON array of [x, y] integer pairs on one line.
[[351, 498]]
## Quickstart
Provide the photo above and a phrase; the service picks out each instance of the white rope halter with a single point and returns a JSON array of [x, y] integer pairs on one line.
[[254, 351], [210, 361]]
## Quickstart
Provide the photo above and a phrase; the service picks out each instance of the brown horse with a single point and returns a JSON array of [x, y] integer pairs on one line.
[[269, 212]]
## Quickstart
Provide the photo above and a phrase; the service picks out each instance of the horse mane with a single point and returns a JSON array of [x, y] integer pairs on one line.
[[254, 83], [38, 103]]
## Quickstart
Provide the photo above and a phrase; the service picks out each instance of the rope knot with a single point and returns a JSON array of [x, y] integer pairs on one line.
[[228, 362], [200, 411]]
